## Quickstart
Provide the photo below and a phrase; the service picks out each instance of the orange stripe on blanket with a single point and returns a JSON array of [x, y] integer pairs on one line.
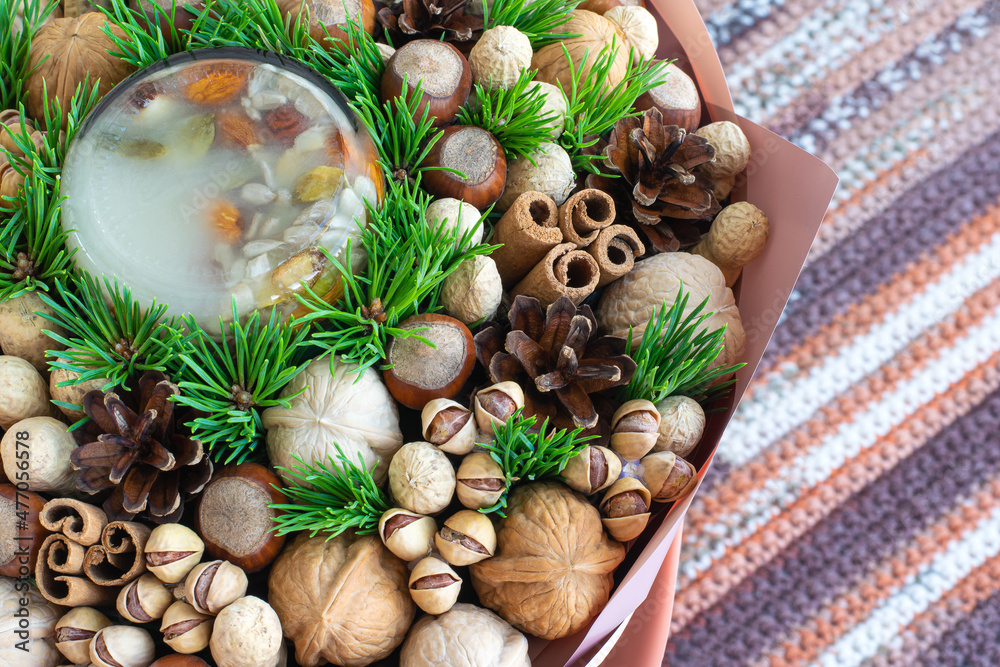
[[740, 560]]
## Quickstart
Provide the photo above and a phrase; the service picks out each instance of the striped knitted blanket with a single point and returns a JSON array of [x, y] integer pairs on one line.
[[852, 516]]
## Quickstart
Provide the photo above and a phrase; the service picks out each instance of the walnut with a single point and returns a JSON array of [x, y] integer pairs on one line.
[[640, 29], [551, 174], [732, 149], [594, 33], [465, 636], [473, 292], [342, 600], [737, 237], [554, 565], [499, 57]]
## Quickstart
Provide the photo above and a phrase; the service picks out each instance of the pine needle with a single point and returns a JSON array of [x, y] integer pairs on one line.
[[344, 496], [538, 20]]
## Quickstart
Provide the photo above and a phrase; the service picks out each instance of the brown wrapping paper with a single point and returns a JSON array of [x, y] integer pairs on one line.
[[528, 230], [78, 521], [584, 215], [120, 557], [59, 578], [564, 271], [615, 250]]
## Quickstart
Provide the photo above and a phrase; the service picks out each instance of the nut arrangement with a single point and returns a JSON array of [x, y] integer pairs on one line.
[[467, 319]]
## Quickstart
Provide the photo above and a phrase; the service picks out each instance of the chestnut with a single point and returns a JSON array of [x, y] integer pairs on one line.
[[29, 537], [234, 517], [177, 660], [419, 373], [478, 158], [442, 71]]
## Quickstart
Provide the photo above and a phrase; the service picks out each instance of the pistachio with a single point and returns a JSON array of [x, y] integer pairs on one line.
[[448, 425], [635, 429], [668, 476], [144, 599], [184, 629], [74, 631], [467, 537], [625, 509], [593, 469], [172, 550], [122, 646], [407, 534], [211, 587], [494, 405], [480, 481], [434, 586]]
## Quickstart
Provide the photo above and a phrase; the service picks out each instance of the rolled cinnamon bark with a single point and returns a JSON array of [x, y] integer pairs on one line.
[[78, 521], [615, 250], [120, 557], [564, 270], [528, 230], [584, 215], [58, 574]]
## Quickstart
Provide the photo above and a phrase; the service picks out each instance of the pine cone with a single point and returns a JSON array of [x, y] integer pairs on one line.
[[430, 19], [556, 359], [655, 164], [140, 448]]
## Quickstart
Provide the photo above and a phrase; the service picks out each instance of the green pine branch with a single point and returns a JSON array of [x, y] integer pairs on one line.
[[233, 380], [674, 356], [150, 31], [331, 497], [593, 108], [108, 334], [15, 44], [538, 20], [513, 115], [528, 454]]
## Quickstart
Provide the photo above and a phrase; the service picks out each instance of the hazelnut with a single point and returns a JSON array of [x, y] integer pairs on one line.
[[235, 519], [499, 56], [591, 470], [473, 291], [418, 373], [448, 425], [434, 586], [408, 535], [184, 629], [144, 599], [171, 551], [549, 170], [625, 509], [74, 631], [247, 633], [677, 99], [211, 586], [480, 481], [476, 156], [467, 537], [496, 404], [180, 661], [732, 149], [421, 478], [459, 215], [682, 423], [122, 646], [635, 429], [441, 71], [668, 476]]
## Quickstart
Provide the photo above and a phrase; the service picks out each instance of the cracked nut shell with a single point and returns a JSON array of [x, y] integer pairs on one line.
[[449, 425], [593, 469], [75, 630], [213, 586], [635, 429], [184, 629], [171, 551], [480, 481], [407, 534], [122, 646], [668, 476], [434, 586], [144, 600], [496, 403], [467, 537], [625, 509]]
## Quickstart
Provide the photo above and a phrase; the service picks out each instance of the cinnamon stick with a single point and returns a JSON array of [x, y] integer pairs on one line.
[[528, 230], [58, 574], [120, 557], [564, 270], [615, 250], [78, 521], [584, 215]]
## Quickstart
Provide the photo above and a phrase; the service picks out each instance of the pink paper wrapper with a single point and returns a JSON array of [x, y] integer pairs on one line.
[[794, 189]]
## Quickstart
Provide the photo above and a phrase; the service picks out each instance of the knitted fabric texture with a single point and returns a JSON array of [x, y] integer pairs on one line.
[[852, 515]]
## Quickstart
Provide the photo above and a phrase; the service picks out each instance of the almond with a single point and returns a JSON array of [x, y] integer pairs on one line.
[[235, 130], [214, 84]]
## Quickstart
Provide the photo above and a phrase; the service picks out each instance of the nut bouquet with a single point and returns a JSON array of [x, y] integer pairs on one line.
[[351, 332]]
